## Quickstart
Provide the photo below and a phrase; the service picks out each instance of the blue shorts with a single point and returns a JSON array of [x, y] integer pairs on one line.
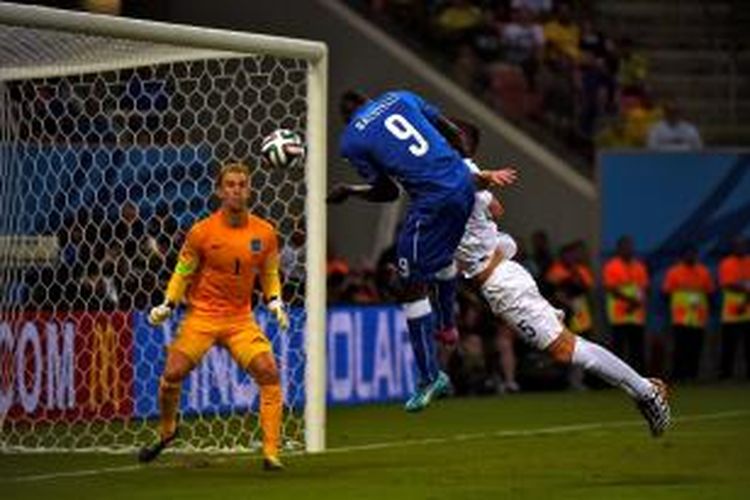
[[430, 235]]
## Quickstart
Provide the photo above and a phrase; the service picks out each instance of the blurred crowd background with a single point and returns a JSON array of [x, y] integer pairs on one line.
[[586, 74], [707, 307]]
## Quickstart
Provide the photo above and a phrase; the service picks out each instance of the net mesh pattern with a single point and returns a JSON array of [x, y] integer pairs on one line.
[[108, 151]]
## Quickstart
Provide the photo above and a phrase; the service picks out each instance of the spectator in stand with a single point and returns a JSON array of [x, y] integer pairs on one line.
[[505, 344], [70, 237], [98, 290], [386, 275], [558, 78], [336, 264], [597, 45], [596, 78], [456, 20], [468, 368], [523, 44], [129, 229], [563, 35], [673, 133], [337, 272], [542, 257], [640, 116], [367, 292], [486, 38], [138, 255], [158, 249], [633, 69], [467, 364], [523, 258], [734, 279], [538, 8], [613, 135], [75, 253], [359, 286], [467, 68], [626, 284], [411, 14], [688, 285]]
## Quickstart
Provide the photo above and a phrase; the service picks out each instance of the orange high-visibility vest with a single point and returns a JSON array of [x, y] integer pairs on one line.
[[734, 270], [688, 287], [631, 280]]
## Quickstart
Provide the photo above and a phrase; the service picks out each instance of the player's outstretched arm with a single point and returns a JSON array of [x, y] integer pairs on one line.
[[496, 178], [383, 190], [187, 263]]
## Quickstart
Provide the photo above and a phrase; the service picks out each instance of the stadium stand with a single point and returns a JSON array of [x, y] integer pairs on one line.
[[588, 74]]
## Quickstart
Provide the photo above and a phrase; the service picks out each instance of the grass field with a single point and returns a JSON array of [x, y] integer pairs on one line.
[[543, 445]]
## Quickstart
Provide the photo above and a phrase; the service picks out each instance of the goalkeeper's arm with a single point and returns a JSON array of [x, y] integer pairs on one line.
[[187, 263], [270, 283]]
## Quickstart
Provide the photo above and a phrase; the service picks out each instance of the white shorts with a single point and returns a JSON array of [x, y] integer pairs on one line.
[[514, 296]]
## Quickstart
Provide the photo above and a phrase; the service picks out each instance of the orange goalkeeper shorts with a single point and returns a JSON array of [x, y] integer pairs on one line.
[[241, 335]]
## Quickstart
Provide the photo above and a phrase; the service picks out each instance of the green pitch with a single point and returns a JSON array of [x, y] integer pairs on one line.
[[549, 446]]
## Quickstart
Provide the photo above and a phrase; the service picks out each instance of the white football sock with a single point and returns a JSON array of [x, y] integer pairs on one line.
[[598, 360]]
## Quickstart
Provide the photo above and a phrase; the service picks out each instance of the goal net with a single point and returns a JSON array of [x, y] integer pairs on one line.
[[111, 133]]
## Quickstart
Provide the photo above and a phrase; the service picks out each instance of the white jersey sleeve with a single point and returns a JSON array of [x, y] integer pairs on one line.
[[481, 238]]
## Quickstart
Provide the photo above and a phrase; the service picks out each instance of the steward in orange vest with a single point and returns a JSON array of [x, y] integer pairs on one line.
[[734, 280], [688, 284], [626, 284], [573, 282]]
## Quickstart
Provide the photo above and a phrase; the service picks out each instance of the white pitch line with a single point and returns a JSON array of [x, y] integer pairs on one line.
[[542, 431], [76, 473]]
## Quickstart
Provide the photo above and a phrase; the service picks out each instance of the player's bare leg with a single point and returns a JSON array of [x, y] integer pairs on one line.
[[177, 367], [650, 395], [265, 373]]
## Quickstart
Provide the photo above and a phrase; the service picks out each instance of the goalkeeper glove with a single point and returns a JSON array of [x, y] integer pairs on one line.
[[160, 313], [277, 309]]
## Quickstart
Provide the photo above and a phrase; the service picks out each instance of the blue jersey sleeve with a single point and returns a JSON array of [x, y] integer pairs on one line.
[[429, 110], [359, 160], [365, 169]]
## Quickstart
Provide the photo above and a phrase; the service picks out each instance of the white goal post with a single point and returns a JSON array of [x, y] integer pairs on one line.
[[144, 112]]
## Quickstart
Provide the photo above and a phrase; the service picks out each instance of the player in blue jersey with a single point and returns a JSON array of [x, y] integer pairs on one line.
[[400, 139]]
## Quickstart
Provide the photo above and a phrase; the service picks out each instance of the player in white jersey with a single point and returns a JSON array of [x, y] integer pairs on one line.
[[485, 254]]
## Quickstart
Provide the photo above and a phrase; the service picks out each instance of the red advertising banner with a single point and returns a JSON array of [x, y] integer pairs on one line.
[[66, 366]]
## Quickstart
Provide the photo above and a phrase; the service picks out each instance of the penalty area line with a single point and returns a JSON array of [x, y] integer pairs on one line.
[[540, 431]]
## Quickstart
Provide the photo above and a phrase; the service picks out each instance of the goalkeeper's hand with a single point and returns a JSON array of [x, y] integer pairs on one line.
[[277, 309], [160, 313]]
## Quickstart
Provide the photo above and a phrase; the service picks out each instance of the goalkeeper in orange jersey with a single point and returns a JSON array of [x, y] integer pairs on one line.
[[215, 274]]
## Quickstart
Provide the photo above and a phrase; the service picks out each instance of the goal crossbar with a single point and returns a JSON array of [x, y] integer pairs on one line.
[[158, 32]]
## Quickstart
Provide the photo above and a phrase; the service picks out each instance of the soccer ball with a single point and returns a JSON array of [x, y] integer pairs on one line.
[[283, 148]]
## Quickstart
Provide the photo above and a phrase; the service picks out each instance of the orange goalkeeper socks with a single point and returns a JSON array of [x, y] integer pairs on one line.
[[271, 401], [169, 400]]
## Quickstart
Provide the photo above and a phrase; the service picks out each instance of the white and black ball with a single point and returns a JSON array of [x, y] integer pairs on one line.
[[283, 148]]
